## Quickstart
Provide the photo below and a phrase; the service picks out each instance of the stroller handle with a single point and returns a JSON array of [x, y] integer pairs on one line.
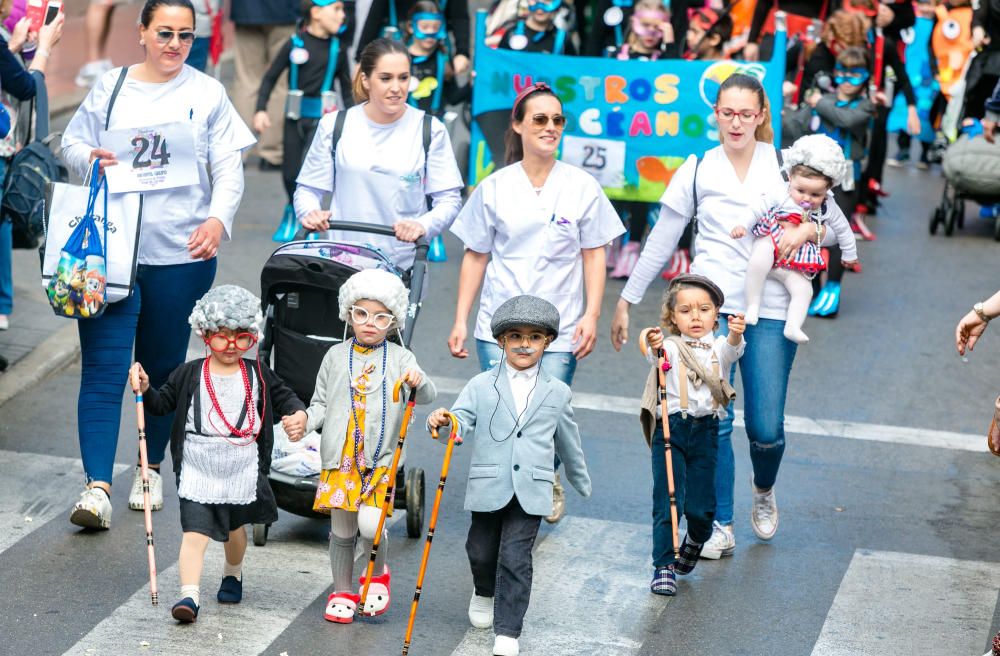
[[372, 229]]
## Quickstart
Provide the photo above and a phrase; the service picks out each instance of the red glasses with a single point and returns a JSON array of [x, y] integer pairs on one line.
[[219, 342], [746, 115]]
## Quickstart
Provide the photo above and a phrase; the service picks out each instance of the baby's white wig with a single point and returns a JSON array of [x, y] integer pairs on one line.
[[820, 152]]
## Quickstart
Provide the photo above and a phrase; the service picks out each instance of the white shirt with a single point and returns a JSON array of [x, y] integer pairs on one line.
[[380, 171], [171, 215], [534, 240], [700, 401], [829, 214], [522, 386], [723, 203]]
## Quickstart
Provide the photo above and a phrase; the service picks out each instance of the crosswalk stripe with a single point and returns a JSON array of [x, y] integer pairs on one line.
[[282, 579], [587, 572], [899, 603], [26, 499], [793, 424]]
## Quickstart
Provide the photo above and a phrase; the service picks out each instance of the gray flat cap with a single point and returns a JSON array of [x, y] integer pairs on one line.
[[695, 280], [526, 311]]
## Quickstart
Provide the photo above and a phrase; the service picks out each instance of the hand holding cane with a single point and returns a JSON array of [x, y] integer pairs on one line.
[[662, 367], [387, 502], [144, 469], [453, 439]]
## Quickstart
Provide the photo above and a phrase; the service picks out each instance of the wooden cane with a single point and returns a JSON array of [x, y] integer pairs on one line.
[[144, 470], [387, 501], [662, 366], [453, 439]]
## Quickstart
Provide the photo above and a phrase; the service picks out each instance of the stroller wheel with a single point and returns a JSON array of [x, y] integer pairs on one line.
[[937, 218], [996, 228], [260, 534], [960, 209], [952, 219], [415, 502]]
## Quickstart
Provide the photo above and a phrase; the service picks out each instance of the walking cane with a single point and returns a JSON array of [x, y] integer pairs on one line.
[[387, 502], [144, 467], [662, 367], [453, 439]]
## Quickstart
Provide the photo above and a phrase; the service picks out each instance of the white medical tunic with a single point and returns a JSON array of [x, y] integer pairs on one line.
[[192, 98], [534, 240], [379, 178]]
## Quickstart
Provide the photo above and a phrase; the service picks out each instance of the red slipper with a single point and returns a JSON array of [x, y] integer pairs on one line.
[[340, 607], [379, 596]]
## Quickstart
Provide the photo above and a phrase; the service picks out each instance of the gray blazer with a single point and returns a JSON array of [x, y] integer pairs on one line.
[[510, 459]]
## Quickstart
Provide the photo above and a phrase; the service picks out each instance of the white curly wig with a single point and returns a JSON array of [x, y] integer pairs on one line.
[[820, 152], [226, 306], [375, 285]]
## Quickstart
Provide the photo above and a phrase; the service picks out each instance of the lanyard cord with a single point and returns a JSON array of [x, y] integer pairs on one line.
[[331, 64], [366, 478]]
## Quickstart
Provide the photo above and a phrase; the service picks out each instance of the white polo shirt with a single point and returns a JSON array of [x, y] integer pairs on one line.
[[534, 240]]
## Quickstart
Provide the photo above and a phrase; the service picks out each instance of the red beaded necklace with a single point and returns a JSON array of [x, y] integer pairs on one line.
[[251, 412]]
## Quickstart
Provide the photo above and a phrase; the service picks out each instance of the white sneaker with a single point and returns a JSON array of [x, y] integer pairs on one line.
[[722, 543], [155, 491], [91, 71], [764, 515], [505, 646], [4, 322], [93, 510], [481, 611]]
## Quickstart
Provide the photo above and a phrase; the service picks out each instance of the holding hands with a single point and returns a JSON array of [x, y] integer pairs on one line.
[[295, 425]]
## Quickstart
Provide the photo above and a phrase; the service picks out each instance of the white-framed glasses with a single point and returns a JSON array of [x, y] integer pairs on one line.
[[381, 320]]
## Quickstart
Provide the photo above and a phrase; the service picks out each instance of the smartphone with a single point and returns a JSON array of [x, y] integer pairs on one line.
[[52, 10], [35, 11]]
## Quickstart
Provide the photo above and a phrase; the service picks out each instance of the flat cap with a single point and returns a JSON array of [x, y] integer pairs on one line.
[[526, 310], [695, 280]]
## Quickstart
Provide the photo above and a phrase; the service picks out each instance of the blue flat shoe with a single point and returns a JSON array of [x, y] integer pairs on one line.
[[231, 590], [289, 224], [827, 304], [185, 611]]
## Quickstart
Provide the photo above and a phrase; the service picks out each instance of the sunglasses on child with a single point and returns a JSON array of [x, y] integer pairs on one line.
[[163, 37], [220, 342], [361, 316], [542, 120]]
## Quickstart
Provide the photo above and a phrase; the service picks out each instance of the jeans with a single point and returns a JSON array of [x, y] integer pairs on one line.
[[561, 365], [198, 55], [6, 256], [160, 331], [764, 369], [499, 548], [694, 445]]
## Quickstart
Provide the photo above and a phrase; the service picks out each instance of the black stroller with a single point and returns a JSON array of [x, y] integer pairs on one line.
[[300, 284]]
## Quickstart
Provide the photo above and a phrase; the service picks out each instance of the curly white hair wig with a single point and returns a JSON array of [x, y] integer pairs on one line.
[[820, 152], [375, 285], [226, 306]]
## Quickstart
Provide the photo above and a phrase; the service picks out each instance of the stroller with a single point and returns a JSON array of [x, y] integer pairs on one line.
[[300, 284], [971, 168]]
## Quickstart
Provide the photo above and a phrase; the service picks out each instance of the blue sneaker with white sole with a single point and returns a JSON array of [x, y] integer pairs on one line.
[[231, 590]]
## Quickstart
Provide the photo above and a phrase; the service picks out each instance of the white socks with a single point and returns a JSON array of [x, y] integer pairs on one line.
[[233, 570], [192, 591]]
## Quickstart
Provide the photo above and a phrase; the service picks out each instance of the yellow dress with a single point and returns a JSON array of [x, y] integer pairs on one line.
[[342, 488]]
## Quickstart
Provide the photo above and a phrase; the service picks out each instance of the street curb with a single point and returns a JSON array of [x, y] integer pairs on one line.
[[60, 348]]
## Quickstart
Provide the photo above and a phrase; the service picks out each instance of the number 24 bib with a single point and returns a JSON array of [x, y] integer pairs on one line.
[[151, 158]]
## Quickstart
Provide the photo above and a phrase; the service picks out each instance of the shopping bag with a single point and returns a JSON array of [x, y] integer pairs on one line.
[[116, 219]]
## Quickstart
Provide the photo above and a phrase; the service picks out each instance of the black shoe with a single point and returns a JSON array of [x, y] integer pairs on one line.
[[185, 610], [3, 363], [268, 167], [231, 590], [688, 557]]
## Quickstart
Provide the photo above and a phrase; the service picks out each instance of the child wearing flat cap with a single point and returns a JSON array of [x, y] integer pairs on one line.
[[225, 407], [519, 418], [698, 391]]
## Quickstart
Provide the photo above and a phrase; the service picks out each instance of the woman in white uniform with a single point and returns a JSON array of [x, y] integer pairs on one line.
[[730, 178], [537, 226], [380, 175], [180, 235]]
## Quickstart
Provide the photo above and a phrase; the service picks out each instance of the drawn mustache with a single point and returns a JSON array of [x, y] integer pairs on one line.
[[523, 350]]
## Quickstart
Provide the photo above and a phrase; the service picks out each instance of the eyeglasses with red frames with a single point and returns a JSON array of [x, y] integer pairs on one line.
[[728, 114], [542, 120], [219, 342]]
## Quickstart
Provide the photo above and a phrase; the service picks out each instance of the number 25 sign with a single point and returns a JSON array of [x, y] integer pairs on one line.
[[151, 158]]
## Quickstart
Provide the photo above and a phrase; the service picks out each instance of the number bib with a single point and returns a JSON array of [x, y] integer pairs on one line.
[[151, 158], [602, 158]]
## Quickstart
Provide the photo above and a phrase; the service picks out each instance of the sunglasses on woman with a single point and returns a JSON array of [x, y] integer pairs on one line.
[[361, 316], [163, 37], [542, 120], [220, 342]]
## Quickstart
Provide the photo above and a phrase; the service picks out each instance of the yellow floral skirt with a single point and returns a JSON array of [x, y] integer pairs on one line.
[[341, 488]]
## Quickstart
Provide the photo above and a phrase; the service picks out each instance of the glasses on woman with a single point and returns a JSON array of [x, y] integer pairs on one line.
[[727, 114], [163, 37], [220, 342], [361, 316], [542, 120]]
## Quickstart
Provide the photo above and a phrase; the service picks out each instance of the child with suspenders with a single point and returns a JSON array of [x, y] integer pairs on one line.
[[314, 57]]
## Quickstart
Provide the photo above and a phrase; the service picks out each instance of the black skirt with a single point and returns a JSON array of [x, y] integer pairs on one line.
[[216, 520]]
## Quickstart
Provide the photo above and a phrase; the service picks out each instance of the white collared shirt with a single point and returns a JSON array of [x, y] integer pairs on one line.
[[522, 386], [700, 402], [534, 240]]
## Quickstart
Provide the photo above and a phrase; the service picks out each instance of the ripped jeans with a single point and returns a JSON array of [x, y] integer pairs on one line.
[[764, 368], [561, 365]]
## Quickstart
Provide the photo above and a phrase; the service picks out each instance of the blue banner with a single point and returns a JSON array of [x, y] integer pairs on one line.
[[925, 87], [629, 123]]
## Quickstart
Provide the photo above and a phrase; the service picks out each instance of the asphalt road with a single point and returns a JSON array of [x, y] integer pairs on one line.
[[885, 544]]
